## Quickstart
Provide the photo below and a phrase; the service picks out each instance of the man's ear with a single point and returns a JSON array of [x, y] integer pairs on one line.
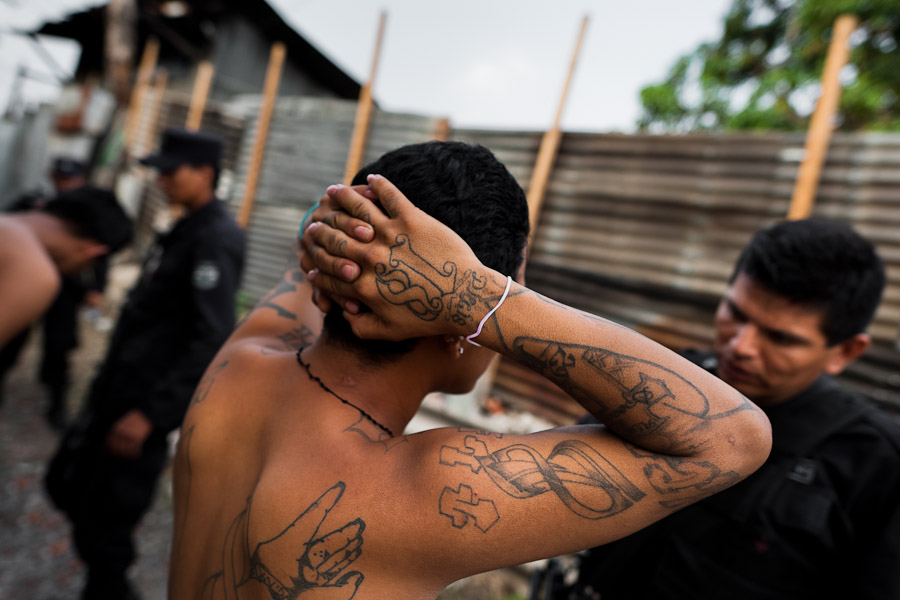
[[844, 353], [453, 345]]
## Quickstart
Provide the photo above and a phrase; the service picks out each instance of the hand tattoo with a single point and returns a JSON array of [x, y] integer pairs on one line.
[[427, 291], [319, 572]]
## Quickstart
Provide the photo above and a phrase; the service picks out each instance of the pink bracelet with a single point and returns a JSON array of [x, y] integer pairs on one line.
[[490, 312]]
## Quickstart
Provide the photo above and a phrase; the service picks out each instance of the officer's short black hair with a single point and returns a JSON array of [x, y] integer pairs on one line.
[[93, 213], [465, 187], [822, 264]]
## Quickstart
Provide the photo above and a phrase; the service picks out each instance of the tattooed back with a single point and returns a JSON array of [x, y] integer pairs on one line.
[[282, 490]]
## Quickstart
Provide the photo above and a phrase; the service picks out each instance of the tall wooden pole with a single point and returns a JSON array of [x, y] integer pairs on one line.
[[135, 106], [821, 124], [442, 129], [270, 90], [119, 39], [541, 174], [159, 92], [549, 147], [202, 83], [363, 113]]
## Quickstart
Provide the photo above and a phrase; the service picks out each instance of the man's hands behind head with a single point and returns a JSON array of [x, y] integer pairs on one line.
[[414, 277]]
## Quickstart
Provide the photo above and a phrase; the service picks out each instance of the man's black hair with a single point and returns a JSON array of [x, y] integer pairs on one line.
[[821, 264], [94, 213], [465, 187]]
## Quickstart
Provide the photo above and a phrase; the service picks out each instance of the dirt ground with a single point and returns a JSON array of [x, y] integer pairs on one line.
[[37, 559]]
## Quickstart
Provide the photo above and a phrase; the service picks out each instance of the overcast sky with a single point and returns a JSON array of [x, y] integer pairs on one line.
[[482, 63]]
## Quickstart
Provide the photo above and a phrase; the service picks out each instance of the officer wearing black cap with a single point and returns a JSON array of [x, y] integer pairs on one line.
[[173, 322]]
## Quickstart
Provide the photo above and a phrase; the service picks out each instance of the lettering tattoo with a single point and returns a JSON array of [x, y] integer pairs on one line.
[[206, 382], [426, 290], [372, 433], [278, 564], [463, 507], [684, 481], [584, 481]]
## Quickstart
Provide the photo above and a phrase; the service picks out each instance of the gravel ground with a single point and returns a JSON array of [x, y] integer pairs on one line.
[[37, 558]]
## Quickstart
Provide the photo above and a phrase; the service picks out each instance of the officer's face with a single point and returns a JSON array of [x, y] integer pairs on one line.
[[187, 184], [770, 349]]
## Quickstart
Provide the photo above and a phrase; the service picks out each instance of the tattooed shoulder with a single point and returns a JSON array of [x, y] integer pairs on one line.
[[207, 382]]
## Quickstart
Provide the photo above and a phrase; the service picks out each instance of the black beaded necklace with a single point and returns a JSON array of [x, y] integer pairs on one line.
[[330, 391]]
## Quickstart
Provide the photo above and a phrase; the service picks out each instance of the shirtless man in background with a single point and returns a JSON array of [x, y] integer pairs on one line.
[[293, 477], [62, 237]]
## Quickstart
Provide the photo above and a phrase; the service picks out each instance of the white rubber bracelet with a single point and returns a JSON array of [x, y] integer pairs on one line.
[[490, 312]]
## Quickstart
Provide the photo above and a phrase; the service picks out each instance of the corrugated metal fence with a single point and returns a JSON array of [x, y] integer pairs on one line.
[[640, 229], [645, 230]]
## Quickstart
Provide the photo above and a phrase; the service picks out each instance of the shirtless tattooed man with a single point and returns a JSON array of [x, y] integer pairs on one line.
[[293, 477]]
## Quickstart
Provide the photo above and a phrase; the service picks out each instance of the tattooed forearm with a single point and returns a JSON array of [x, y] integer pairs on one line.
[[583, 314], [648, 400], [580, 477]]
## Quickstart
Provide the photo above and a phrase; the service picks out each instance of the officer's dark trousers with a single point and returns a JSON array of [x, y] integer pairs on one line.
[[9, 354], [60, 337], [115, 494]]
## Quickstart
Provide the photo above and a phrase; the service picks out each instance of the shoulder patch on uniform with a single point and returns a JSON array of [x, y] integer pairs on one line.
[[206, 275]]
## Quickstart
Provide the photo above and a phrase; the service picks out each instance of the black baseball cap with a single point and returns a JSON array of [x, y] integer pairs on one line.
[[183, 147], [65, 166]]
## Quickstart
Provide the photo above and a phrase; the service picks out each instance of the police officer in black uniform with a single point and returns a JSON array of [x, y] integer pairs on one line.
[[821, 518], [173, 322]]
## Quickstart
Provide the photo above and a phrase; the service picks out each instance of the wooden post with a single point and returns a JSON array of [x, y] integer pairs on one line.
[[541, 173], [549, 147], [363, 113], [119, 41], [442, 130], [202, 83], [159, 91], [135, 106], [270, 89], [821, 124]]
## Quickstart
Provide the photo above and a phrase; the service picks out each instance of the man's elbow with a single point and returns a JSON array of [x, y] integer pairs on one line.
[[749, 443]]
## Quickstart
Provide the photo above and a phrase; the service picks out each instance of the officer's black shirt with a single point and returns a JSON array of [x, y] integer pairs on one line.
[[175, 319], [821, 519]]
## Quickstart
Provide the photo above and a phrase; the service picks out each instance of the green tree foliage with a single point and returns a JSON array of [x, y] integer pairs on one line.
[[764, 73]]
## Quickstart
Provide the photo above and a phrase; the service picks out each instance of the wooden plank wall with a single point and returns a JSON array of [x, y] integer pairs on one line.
[[640, 229]]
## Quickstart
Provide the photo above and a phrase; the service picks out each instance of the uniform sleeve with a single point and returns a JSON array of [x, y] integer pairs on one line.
[[215, 272], [99, 274], [877, 555]]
